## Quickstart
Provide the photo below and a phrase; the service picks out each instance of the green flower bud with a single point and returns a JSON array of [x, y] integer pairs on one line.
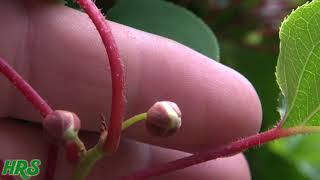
[[163, 119]]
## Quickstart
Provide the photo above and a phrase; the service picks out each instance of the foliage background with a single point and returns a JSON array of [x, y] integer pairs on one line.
[[247, 32]]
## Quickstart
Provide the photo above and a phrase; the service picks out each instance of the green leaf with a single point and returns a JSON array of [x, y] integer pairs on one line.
[[168, 20], [302, 152], [266, 164], [298, 69]]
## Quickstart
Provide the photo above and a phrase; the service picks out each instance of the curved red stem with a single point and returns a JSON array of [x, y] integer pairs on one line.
[[117, 74], [224, 151], [40, 104], [29, 93]]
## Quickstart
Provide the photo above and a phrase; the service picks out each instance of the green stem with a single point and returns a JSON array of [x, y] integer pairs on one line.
[[79, 143], [133, 120], [90, 157], [87, 161]]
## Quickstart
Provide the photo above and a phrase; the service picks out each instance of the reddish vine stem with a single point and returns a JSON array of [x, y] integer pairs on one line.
[[38, 102], [51, 163], [4, 177], [28, 92], [224, 151], [117, 74]]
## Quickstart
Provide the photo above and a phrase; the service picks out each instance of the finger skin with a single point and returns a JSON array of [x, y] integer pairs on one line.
[[231, 168], [62, 57], [24, 141]]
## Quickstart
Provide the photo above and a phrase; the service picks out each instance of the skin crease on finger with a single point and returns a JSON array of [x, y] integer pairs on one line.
[[130, 157], [50, 40]]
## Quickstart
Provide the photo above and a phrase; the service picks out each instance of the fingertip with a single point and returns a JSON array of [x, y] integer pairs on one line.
[[243, 108], [233, 110], [218, 104]]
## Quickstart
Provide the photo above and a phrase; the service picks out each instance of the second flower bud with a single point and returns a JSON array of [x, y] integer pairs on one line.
[[163, 119]]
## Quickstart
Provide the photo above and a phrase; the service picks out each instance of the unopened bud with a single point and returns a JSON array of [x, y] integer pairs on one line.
[[60, 126], [163, 119]]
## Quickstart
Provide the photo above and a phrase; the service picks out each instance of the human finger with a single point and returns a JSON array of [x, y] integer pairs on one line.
[[65, 61]]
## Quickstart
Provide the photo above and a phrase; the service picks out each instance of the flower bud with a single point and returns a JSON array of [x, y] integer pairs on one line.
[[163, 119], [60, 126]]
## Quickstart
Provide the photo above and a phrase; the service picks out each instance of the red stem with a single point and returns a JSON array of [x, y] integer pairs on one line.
[[25, 88], [224, 151], [40, 104], [51, 163], [4, 177], [117, 74]]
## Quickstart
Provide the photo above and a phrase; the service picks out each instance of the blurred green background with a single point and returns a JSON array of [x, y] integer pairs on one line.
[[247, 36]]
